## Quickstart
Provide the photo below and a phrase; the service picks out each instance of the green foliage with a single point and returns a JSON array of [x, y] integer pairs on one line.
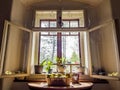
[[48, 64], [60, 61], [43, 63]]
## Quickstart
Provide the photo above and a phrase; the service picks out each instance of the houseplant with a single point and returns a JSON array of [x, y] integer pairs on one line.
[[60, 64], [48, 64], [39, 68]]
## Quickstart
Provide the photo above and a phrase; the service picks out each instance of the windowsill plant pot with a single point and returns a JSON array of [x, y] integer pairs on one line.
[[39, 68], [48, 65], [61, 68], [60, 64]]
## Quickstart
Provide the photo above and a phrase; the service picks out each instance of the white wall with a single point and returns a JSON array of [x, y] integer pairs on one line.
[[20, 15], [104, 11]]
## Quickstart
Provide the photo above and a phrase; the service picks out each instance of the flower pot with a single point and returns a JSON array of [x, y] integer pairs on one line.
[[38, 69], [61, 69], [49, 71]]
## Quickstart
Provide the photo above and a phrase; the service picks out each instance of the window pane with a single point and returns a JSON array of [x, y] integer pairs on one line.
[[65, 24], [43, 15], [70, 49], [65, 33], [74, 33], [53, 24], [73, 23], [44, 33], [54, 68], [67, 68], [74, 14], [53, 33], [75, 68], [44, 24], [48, 48]]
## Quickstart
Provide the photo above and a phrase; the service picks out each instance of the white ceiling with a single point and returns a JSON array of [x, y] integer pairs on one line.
[[33, 2]]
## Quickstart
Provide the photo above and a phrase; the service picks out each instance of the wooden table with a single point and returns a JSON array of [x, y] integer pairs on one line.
[[44, 86]]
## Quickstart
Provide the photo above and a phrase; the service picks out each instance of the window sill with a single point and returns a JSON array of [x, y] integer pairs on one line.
[[105, 77], [13, 75]]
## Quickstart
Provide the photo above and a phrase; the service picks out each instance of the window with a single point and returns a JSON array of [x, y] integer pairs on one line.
[[60, 44], [65, 45], [77, 17]]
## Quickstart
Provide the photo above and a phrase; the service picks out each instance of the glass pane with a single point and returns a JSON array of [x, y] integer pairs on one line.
[[73, 23], [67, 68], [65, 33], [53, 24], [44, 24], [44, 15], [44, 33], [70, 49], [53, 33], [75, 68], [65, 24], [74, 14], [74, 33], [48, 48], [54, 68]]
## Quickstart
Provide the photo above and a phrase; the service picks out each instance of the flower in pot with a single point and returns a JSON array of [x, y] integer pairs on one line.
[[39, 68]]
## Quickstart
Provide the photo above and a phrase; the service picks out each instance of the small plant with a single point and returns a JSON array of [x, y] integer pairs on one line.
[[43, 63], [39, 67], [61, 64], [48, 64], [60, 61]]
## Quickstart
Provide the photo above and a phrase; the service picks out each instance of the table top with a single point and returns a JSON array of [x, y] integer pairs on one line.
[[43, 85]]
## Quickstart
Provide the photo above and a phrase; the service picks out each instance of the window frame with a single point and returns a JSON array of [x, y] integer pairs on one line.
[[49, 20]]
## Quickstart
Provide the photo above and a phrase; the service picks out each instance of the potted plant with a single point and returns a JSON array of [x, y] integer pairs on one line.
[[61, 64], [48, 64], [39, 68]]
